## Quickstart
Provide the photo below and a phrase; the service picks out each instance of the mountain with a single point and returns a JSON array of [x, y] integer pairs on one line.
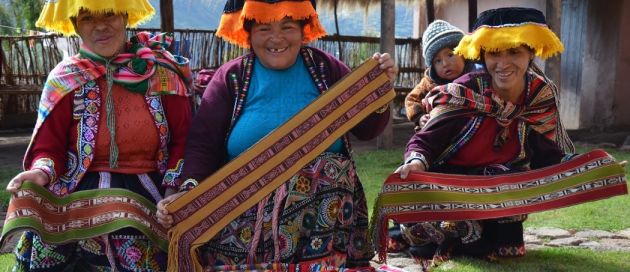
[[205, 14]]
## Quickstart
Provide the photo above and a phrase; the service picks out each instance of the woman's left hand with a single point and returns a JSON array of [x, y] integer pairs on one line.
[[388, 64]]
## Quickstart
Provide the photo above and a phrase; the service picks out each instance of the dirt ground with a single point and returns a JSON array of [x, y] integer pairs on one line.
[[13, 143]]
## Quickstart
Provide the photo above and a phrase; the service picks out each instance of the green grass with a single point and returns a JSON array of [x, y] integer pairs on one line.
[[6, 174], [6, 262], [549, 259]]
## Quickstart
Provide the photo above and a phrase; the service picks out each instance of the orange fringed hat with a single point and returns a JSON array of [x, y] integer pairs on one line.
[[236, 12]]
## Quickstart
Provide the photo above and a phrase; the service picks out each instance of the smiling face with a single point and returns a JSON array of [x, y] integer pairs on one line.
[[102, 33], [277, 44], [507, 69], [447, 64]]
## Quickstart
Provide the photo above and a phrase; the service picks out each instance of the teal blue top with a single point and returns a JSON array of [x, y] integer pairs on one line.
[[274, 96]]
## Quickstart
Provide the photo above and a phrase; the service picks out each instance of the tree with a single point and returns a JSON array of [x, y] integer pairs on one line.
[[26, 12], [6, 22]]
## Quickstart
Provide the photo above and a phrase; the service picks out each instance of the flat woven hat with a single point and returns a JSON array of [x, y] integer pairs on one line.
[[505, 28], [56, 14], [236, 12]]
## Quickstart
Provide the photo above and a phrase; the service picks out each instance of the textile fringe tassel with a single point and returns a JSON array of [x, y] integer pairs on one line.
[[111, 117]]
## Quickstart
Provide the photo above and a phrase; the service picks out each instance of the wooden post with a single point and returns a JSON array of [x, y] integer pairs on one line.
[[554, 21], [388, 45], [430, 11], [472, 13], [167, 23], [167, 17]]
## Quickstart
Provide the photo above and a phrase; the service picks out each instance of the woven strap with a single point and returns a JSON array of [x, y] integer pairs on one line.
[[80, 215], [205, 210], [426, 196]]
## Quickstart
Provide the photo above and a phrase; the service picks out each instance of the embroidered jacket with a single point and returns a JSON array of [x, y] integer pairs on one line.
[[64, 138]]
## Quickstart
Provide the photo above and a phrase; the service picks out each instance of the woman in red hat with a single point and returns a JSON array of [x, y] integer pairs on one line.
[[318, 218]]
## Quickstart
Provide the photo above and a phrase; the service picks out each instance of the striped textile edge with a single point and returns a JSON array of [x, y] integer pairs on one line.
[[80, 215], [204, 211], [426, 196]]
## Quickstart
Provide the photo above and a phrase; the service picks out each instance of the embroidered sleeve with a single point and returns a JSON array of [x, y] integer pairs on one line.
[[413, 156], [188, 185], [171, 175], [48, 166]]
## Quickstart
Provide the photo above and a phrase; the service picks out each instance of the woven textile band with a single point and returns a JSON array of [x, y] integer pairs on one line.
[[204, 211], [80, 215], [426, 196]]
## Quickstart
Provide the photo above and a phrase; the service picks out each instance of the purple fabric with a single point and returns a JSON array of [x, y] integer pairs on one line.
[[206, 146]]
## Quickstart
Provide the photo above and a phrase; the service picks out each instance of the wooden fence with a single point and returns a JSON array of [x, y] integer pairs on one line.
[[26, 61]]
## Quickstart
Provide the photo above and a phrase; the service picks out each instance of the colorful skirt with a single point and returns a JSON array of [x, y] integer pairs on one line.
[[316, 221], [126, 249]]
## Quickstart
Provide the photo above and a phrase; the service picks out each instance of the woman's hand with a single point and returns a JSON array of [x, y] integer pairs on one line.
[[414, 165], [36, 176], [163, 217], [388, 64]]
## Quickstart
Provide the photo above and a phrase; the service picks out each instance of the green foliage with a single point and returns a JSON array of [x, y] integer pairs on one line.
[[26, 13], [5, 21]]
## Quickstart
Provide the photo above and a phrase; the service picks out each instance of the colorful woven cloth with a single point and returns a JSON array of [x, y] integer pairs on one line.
[[426, 196], [81, 215], [204, 211]]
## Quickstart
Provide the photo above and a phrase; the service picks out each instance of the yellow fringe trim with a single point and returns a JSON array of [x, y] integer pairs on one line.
[[231, 27], [55, 15], [538, 37]]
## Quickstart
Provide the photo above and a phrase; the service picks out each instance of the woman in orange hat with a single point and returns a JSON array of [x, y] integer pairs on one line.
[[114, 116], [318, 218]]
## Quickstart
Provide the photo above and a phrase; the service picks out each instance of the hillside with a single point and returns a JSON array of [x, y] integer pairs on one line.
[[205, 14]]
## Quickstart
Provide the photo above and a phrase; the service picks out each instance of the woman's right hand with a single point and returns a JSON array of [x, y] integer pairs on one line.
[[36, 176], [163, 217], [414, 165]]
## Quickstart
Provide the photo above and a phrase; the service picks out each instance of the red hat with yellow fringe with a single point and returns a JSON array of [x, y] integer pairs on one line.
[[237, 12]]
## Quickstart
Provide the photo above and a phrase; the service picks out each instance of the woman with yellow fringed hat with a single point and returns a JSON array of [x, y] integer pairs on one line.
[[316, 220], [501, 120], [113, 118]]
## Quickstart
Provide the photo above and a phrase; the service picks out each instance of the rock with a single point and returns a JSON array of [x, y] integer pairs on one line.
[[621, 244], [563, 242], [532, 239], [401, 262], [625, 233], [553, 233], [596, 234], [590, 244], [533, 246], [626, 144]]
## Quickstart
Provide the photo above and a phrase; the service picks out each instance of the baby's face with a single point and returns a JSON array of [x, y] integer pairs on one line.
[[447, 64]]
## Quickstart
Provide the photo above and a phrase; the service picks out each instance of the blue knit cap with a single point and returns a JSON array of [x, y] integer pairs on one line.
[[439, 34]]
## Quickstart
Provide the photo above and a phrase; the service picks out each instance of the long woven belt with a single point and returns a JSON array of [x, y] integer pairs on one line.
[[80, 215], [204, 211], [426, 196]]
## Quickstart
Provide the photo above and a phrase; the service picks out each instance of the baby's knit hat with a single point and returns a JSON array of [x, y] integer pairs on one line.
[[439, 34]]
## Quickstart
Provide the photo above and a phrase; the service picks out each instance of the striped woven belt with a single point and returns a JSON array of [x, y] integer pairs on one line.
[[426, 196], [80, 215], [204, 211]]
